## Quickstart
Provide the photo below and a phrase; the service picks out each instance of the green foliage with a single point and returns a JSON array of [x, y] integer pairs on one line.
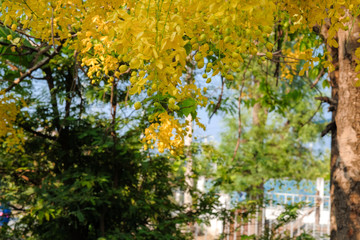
[[289, 214], [85, 176], [279, 123], [15, 45], [188, 106]]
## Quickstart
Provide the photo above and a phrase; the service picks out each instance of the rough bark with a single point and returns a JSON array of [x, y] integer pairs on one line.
[[345, 138]]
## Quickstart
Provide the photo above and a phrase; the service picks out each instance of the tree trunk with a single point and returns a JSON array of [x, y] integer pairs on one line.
[[187, 142], [189, 169], [259, 116], [345, 138]]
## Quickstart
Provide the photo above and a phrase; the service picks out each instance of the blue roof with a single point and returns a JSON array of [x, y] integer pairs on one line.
[[276, 186], [304, 187]]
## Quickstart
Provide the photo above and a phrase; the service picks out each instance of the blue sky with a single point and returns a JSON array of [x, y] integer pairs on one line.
[[217, 126]]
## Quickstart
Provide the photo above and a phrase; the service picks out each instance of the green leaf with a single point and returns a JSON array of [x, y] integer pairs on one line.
[[303, 46], [188, 106], [29, 191], [6, 53], [47, 216], [314, 72], [80, 216], [16, 40], [325, 84], [188, 48]]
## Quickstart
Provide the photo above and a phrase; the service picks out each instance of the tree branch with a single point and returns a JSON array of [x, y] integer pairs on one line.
[[31, 70], [41, 52], [38, 134], [219, 100], [327, 100], [21, 32], [331, 126], [52, 28], [23, 46], [239, 110], [322, 72], [239, 122], [53, 100], [310, 119]]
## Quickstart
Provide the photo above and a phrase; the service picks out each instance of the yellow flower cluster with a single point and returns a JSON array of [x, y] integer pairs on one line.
[[8, 111], [156, 38], [167, 133]]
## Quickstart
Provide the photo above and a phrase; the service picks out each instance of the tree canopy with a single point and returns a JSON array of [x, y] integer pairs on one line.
[[154, 40], [146, 49]]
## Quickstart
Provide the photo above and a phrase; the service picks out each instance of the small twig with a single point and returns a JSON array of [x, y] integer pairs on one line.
[[41, 52], [219, 99], [16, 55], [274, 53], [279, 61], [128, 89], [127, 95], [287, 32], [309, 120], [278, 35], [77, 80], [239, 123], [38, 78], [21, 32], [12, 66], [82, 69], [284, 56], [75, 76], [52, 28], [23, 46], [322, 72], [30, 8], [239, 109]]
